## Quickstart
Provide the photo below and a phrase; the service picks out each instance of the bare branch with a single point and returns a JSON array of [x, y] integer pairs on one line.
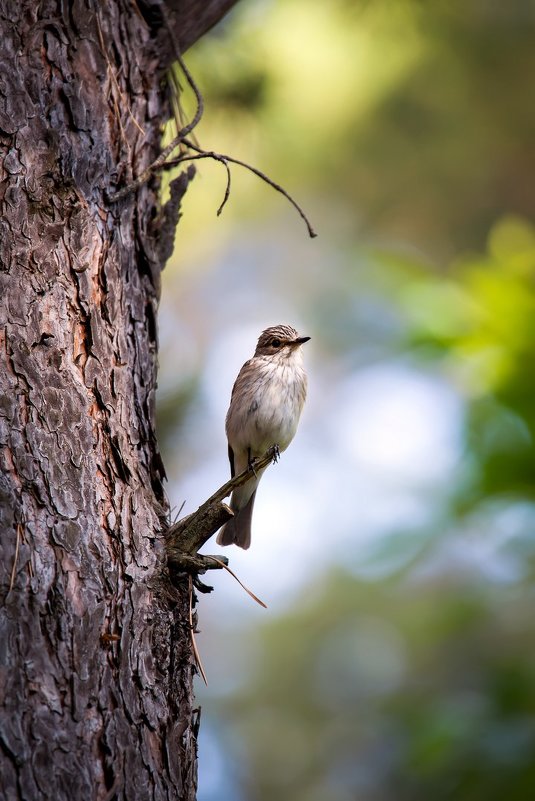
[[164, 162], [259, 173], [186, 536], [193, 86]]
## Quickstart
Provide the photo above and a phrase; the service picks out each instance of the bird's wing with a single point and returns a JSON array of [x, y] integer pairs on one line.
[[231, 460], [244, 376]]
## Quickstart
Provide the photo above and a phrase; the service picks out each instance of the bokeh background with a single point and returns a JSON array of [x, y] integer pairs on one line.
[[394, 543]]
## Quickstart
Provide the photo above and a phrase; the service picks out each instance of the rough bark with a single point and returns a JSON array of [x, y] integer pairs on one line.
[[95, 662]]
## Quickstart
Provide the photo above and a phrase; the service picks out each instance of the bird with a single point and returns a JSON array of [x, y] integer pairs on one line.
[[265, 406]]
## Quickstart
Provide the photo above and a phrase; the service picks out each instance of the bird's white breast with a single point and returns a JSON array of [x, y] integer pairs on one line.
[[266, 407]]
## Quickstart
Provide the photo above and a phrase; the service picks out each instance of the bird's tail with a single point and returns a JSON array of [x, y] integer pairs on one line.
[[238, 529]]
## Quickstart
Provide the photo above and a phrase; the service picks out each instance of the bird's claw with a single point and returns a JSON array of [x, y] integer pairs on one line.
[[276, 453], [251, 461]]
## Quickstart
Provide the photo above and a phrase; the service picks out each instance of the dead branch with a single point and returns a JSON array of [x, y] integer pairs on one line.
[[225, 160], [186, 536], [164, 161]]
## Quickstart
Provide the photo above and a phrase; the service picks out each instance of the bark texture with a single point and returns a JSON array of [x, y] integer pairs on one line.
[[95, 663]]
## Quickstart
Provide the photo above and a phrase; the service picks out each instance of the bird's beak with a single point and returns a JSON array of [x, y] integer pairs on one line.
[[300, 340]]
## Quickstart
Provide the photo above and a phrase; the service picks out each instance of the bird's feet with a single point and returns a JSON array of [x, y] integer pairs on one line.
[[251, 462], [275, 452]]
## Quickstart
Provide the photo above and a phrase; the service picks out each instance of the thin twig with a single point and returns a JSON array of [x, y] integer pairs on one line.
[[189, 77], [202, 155], [192, 633], [163, 161], [224, 159], [259, 174], [146, 174], [180, 509], [227, 188], [247, 590]]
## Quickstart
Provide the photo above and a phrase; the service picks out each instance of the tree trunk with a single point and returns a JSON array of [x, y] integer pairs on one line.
[[95, 665]]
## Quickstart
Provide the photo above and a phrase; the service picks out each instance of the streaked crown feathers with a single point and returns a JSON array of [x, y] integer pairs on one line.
[[275, 338]]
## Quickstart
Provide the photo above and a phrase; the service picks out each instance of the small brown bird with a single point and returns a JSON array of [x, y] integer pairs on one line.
[[265, 406]]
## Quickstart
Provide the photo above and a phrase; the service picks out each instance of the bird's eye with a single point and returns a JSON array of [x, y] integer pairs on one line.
[[275, 343]]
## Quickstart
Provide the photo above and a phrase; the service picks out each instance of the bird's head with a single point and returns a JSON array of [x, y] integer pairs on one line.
[[279, 339]]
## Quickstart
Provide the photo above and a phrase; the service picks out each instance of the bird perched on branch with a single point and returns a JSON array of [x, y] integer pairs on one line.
[[265, 406]]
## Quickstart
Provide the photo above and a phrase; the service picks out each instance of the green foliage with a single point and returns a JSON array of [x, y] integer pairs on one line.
[[482, 318]]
